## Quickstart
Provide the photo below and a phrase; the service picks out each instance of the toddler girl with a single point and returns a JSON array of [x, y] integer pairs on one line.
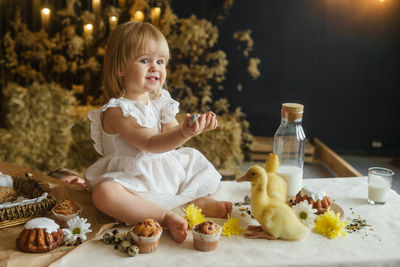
[[141, 175]]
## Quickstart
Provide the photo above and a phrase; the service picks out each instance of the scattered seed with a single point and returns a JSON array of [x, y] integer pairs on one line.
[[357, 224]]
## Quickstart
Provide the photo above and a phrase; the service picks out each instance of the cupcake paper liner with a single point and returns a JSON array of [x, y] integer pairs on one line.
[[62, 219], [146, 244], [205, 242]]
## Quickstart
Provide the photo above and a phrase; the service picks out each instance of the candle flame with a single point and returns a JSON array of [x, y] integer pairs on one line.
[[46, 11], [139, 15], [113, 20], [155, 13], [88, 26]]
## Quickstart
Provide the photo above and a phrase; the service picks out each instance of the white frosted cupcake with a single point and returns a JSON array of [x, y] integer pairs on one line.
[[146, 235], [206, 235]]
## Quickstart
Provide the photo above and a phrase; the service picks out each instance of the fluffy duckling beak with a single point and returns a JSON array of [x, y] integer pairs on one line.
[[244, 178]]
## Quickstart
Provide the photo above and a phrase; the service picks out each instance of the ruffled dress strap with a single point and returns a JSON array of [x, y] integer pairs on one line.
[[96, 130], [130, 108], [168, 106]]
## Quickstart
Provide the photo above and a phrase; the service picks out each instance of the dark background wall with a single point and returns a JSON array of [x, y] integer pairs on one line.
[[340, 58]]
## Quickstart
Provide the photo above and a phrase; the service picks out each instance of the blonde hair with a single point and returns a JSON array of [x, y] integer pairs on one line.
[[128, 40]]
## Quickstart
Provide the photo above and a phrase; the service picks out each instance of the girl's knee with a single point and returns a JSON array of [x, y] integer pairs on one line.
[[104, 191]]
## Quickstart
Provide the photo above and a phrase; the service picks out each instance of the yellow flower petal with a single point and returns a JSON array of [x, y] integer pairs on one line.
[[193, 215], [231, 227], [330, 225]]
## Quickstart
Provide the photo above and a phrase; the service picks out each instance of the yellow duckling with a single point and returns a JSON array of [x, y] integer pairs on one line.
[[277, 186], [277, 219]]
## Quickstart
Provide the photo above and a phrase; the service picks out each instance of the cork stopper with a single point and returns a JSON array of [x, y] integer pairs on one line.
[[292, 111]]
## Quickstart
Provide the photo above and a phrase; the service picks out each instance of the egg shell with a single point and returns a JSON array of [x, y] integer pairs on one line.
[[119, 237], [193, 118], [124, 246], [108, 238], [133, 250]]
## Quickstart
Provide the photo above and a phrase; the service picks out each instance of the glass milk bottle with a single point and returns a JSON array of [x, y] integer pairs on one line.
[[289, 145]]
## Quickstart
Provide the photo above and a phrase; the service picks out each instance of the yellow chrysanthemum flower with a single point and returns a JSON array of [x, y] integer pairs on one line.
[[330, 225], [193, 215], [231, 227]]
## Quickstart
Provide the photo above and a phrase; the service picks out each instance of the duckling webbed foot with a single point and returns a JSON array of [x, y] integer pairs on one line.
[[256, 232]]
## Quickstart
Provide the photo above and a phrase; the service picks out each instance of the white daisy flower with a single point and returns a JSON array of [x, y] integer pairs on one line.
[[77, 227], [305, 213]]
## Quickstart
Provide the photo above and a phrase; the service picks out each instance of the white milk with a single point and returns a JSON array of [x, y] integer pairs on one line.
[[378, 188], [294, 178]]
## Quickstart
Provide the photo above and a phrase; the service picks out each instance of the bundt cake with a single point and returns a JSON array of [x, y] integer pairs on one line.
[[40, 235], [315, 197]]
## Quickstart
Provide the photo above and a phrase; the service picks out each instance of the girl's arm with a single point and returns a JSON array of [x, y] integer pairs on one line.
[[148, 139]]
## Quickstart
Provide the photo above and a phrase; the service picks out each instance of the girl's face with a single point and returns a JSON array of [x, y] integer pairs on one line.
[[146, 72]]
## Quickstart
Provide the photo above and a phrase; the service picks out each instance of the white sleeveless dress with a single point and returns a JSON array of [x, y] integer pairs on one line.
[[168, 179]]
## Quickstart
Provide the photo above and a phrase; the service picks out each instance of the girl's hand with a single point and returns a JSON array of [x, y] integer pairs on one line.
[[211, 121], [206, 122]]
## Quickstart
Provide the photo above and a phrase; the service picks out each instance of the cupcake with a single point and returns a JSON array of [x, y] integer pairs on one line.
[[146, 235], [65, 210], [206, 235]]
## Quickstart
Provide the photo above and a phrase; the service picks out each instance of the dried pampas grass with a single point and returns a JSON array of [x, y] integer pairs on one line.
[[38, 132]]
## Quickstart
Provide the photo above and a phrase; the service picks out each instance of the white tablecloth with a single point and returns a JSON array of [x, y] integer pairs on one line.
[[380, 247]]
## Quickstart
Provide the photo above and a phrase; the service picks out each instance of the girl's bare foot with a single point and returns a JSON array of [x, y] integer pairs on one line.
[[177, 226], [213, 208]]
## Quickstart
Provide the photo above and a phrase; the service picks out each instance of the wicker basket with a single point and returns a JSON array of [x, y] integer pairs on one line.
[[28, 188]]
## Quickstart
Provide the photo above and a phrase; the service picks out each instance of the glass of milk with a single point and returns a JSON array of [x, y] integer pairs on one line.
[[293, 176], [379, 183]]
